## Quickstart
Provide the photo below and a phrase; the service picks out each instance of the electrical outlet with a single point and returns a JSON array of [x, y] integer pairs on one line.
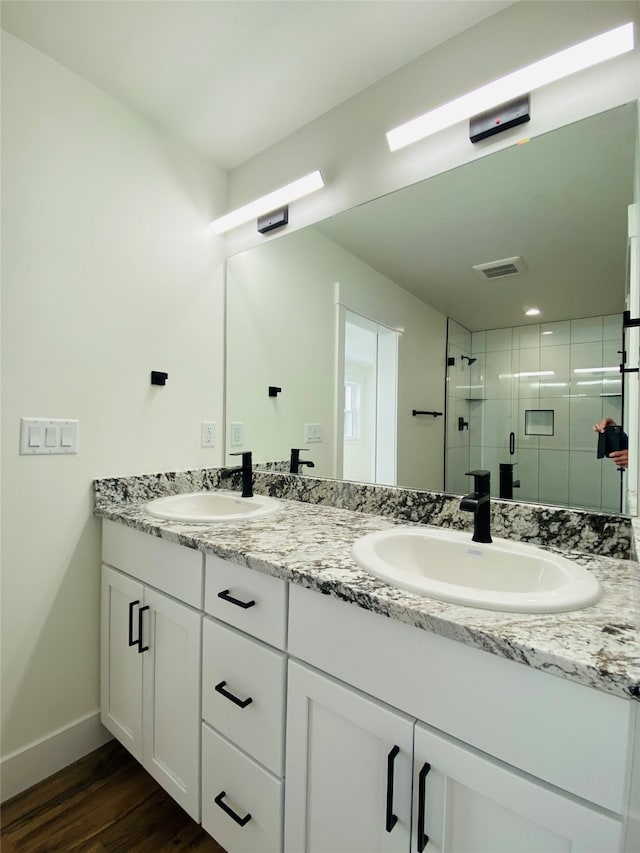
[[207, 434], [237, 434]]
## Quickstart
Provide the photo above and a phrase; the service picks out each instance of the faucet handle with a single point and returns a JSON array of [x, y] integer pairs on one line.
[[246, 456], [481, 480]]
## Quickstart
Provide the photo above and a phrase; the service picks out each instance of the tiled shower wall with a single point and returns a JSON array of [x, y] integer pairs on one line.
[[566, 375]]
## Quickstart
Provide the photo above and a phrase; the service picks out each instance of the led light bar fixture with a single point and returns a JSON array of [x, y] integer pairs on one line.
[[295, 190], [583, 55]]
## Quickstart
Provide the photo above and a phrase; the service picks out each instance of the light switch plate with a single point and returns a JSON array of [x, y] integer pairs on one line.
[[312, 433], [48, 436]]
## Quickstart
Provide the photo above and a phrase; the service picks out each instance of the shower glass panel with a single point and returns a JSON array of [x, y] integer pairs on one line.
[[535, 393]]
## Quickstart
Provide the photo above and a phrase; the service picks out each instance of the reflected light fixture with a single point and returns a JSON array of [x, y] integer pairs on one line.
[[532, 312], [266, 203], [582, 55]]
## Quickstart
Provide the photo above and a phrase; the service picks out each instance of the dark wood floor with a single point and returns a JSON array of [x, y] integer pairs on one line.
[[104, 802]]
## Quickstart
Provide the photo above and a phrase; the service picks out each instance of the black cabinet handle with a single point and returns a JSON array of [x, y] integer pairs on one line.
[[391, 819], [132, 604], [241, 703], [241, 821], [141, 648], [512, 443], [423, 838], [244, 604]]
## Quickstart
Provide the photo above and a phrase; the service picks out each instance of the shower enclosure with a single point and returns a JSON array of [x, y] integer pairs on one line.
[[526, 398]]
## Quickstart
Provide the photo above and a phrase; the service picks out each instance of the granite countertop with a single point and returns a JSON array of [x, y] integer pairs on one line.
[[310, 545]]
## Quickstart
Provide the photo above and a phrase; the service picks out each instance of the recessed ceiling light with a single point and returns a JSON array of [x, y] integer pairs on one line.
[[532, 312], [583, 55]]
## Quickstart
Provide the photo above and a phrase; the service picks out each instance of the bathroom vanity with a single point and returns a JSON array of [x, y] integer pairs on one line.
[[290, 701]]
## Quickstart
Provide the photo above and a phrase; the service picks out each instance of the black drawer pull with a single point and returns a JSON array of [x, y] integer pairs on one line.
[[141, 648], [244, 604], [132, 604], [391, 819], [241, 703], [241, 821], [423, 838]]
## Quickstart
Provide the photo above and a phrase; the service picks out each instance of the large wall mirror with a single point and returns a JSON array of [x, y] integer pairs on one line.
[[391, 341]]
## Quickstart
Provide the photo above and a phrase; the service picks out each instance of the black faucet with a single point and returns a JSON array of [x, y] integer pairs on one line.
[[507, 483], [247, 472], [478, 502], [296, 463]]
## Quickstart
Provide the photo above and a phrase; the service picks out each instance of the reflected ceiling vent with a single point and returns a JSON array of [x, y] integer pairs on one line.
[[501, 269]]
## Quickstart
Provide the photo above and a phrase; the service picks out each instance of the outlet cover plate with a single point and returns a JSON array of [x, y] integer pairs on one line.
[[208, 434]]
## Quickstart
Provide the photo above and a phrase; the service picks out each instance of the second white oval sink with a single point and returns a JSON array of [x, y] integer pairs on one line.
[[203, 507], [504, 575]]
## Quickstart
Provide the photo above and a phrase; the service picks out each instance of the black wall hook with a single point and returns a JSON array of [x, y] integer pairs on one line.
[[274, 390], [158, 377]]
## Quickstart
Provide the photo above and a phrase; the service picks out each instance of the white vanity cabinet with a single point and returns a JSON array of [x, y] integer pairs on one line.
[[243, 707], [529, 762], [349, 786], [150, 657], [288, 721]]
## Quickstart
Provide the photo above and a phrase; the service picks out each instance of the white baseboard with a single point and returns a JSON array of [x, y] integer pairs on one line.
[[40, 759]]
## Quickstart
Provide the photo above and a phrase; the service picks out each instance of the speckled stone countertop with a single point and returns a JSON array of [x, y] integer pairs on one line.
[[310, 544]]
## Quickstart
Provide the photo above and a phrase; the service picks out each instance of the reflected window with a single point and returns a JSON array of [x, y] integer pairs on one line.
[[352, 410]]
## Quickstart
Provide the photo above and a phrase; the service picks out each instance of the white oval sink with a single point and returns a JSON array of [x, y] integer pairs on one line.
[[209, 507], [448, 566]]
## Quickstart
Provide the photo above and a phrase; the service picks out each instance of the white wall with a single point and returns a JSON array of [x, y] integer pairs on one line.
[[108, 271], [421, 371], [282, 331], [348, 143]]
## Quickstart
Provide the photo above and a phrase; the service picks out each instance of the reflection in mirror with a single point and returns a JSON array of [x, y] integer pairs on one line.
[[378, 315]]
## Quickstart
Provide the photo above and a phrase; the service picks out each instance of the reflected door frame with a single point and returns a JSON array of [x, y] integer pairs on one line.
[[384, 445]]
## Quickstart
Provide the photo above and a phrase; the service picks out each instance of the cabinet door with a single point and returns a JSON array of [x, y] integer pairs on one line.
[[171, 698], [348, 769], [466, 802], [120, 661]]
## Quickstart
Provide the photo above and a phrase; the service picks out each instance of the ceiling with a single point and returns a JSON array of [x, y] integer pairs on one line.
[[559, 202], [232, 77]]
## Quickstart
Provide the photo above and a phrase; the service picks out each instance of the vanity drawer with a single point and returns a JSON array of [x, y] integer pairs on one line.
[[231, 781], [246, 599], [248, 704]]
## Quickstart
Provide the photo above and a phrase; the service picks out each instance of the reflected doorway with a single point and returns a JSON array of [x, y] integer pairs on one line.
[[370, 391]]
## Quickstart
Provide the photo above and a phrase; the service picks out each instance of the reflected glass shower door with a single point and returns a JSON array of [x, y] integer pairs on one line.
[[537, 392]]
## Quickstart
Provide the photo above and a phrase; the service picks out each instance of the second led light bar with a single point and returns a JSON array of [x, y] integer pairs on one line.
[[583, 55]]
